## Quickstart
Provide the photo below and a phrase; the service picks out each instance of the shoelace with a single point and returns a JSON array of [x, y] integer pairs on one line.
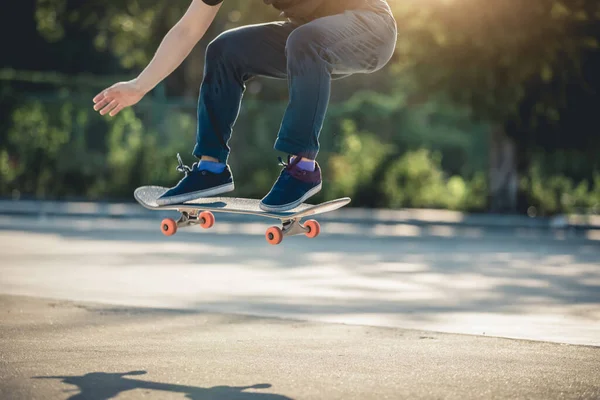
[[184, 169], [289, 168], [289, 164]]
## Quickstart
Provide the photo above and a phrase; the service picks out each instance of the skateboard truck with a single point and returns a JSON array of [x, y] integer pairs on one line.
[[293, 228], [274, 235], [205, 219], [187, 219]]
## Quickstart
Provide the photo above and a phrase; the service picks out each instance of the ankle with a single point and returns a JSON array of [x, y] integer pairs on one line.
[[302, 159], [215, 167], [209, 159], [305, 164]]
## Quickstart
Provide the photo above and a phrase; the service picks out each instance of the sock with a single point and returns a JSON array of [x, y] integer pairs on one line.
[[211, 166], [306, 165]]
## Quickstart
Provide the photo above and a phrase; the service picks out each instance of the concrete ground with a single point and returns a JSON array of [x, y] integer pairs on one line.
[[113, 309], [517, 284], [70, 350]]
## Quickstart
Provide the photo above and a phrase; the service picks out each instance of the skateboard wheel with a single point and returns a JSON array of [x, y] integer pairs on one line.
[[313, 228], [274, 235], [207, 219], [168, 227]]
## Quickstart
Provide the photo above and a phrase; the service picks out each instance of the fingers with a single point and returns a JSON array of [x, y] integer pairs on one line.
[[100, 96], [106, 93], [104, 100], [117, 110], [110, 107], [110, 101], [101, 103]]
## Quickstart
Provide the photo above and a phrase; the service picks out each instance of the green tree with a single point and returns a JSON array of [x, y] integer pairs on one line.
[[519, 64], [132, 29]]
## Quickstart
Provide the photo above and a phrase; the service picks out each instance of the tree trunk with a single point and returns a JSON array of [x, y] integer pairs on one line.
[[503, 176]]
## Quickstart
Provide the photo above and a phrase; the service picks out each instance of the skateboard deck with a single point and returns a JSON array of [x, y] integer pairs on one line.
[[200, 212]]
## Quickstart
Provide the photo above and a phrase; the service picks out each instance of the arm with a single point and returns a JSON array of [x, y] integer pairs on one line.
[[178, 44], [173, 50]]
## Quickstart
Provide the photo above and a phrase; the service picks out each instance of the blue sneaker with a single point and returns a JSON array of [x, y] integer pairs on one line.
[[293, 187], [197, 184]]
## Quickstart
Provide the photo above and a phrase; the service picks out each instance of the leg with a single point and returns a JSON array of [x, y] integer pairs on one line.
[[357, 41], [231, 59], [353, 42]]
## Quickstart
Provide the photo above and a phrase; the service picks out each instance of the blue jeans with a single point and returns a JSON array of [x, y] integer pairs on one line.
[[309, 56]]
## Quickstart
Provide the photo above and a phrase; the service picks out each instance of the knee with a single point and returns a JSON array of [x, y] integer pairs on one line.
[[304, 43], [223, 47]]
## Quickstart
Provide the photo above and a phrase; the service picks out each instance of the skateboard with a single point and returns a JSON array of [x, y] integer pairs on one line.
[[200, 212]]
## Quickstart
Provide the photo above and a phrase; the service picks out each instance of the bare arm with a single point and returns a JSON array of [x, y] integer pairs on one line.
[[173, 50], [178, 44]]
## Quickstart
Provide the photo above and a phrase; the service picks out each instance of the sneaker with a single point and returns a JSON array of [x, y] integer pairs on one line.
[[293, 187], [197, 184]]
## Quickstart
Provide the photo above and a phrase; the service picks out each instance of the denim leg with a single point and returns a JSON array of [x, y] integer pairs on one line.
[[231, 59], [357, 41]]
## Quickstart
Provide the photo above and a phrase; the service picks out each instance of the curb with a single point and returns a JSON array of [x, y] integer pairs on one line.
[[418, 217]]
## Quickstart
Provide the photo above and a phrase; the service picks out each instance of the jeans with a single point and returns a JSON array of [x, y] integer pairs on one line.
[[309, 56]]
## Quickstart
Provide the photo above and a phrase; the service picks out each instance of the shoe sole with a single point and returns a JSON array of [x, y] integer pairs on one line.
[[291, 206], [183, 198]]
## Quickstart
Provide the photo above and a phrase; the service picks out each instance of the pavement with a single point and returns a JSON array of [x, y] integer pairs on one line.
[[472, 281], [588, 224], [72, 350], [110, 307]]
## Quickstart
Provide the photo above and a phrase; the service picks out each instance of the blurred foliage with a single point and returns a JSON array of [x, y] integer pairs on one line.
[[56, 153], [416, 179], [551, 194], [412, 135], [512, 60]]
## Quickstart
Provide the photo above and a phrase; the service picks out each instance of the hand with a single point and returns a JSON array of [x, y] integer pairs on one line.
[[117, 97]]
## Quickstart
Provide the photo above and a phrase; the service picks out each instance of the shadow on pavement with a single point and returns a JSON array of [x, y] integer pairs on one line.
[[104, 386]]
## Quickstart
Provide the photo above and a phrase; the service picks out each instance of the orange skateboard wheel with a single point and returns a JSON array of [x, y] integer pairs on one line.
[[207, 219], [274, 235], [313, 228], [168, 227]]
